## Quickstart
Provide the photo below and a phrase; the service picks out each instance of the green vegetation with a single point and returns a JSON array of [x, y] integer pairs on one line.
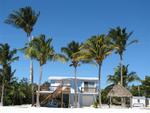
[[143, 89], [146, 86], [127, 77], [7, 56]]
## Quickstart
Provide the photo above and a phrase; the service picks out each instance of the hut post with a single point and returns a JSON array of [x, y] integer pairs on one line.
[[109, 101], [69, 101], [131, 102], [62, 99]]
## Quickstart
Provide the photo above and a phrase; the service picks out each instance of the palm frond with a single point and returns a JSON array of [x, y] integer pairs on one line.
[[132, 42], [60, 57], [120, 38], [97, 48], [72, 53]]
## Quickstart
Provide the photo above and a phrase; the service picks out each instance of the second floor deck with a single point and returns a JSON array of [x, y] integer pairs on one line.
[[84, 84]]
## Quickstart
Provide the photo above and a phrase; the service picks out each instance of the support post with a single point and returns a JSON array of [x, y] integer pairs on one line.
[[109, 101], [62, 99], [131, 102], [62, 94]]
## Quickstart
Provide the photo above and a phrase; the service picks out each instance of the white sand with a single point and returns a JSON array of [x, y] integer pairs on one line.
[[28, 109]]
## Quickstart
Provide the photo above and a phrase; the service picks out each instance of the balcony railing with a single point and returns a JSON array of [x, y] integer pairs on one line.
[[53, 87], [88, 89]]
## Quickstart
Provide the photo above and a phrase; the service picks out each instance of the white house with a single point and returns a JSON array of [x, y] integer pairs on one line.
[[86, 89], [138, 101]]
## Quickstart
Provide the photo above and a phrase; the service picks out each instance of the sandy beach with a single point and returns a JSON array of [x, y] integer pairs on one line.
[[28, 109]]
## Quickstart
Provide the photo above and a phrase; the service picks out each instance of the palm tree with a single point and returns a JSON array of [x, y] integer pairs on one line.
[[120, 38], [25, 19], [96, 49], [72, 53], [127, 77], [6, 58], [41, 50]]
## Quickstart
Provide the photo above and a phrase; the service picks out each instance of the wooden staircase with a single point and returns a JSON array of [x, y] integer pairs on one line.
[[55, 94]]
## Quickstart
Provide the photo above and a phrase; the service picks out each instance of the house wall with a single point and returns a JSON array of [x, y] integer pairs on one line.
[[87, 99], [83, 99]]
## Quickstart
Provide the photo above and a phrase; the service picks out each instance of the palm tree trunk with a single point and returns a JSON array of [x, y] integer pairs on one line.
[[31, 74], [38, 93], [32, 85], [121, 76], [99, 86], [75, 70], [2, 96]]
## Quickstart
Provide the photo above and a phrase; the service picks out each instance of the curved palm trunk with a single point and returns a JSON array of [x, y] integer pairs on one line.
[[75, 81], [99, 86], [2, 96], [38, 93], [31, 75]]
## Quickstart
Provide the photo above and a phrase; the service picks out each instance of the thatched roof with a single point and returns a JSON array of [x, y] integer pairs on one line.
[[119, 91]]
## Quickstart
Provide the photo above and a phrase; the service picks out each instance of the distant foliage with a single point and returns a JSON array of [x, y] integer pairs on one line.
[[146, 86], [18, 92], [129, 77]]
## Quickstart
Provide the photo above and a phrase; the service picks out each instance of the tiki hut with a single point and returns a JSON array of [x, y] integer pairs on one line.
[[119, 91]]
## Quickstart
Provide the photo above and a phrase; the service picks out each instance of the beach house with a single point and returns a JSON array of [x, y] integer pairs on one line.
[[62, 90]]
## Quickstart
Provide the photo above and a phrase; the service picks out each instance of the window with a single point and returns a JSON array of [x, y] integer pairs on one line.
[[89, 87], [88, 84]]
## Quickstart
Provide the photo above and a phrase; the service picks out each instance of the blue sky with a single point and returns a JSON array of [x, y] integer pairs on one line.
[[67, 20]]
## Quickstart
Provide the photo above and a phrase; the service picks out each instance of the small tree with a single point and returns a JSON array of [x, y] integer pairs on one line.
[[7, 56]]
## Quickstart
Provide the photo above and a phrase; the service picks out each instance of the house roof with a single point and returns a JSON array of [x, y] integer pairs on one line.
[[69, 78], [119, 91], [138, 97]]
